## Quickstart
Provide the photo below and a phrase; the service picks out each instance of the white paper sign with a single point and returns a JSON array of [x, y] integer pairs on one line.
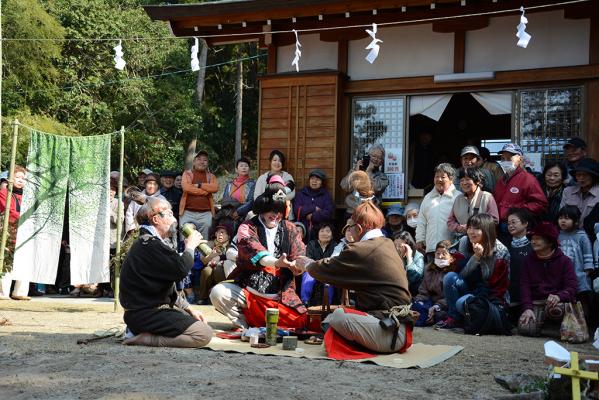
[[395, 190], [393, 161]]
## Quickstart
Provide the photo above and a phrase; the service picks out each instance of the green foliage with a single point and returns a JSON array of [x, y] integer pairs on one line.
[[29, 68], [72, 87], [40, 122]]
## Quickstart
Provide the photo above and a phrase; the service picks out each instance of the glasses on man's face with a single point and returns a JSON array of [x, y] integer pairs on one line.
[[165, 213]]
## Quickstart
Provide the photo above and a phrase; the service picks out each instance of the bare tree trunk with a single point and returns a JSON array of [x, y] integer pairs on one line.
[[239, 108], [191, 148]]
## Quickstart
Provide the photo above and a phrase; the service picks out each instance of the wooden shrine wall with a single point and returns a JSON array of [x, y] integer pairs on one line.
[[299, 115]]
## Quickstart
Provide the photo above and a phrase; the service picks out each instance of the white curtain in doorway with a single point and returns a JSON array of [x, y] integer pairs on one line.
[[496, 103], [432, 106]]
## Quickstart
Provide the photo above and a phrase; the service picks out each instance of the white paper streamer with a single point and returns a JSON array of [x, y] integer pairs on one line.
[[374, 45], [195, 63], [119, 63], [298, 52], [523, 37]]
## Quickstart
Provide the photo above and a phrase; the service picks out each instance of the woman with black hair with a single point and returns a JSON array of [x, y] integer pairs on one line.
[[552, 182], [311, 291], [277, 165], [486, 272], [473, 200], [264, 278]]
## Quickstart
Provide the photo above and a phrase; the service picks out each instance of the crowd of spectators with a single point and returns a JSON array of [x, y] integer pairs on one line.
[[525, 242]]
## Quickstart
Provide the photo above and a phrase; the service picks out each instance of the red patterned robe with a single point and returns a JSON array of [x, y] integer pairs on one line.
[[252, 246]]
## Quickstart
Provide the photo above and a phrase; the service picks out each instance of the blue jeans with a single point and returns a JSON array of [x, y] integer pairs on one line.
[[456, 292]]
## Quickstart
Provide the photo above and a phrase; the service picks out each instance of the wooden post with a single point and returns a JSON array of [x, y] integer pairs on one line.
[[11, 179], [119, 226]]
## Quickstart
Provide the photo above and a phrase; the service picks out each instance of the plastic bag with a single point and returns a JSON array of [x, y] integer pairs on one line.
[[574, 327]]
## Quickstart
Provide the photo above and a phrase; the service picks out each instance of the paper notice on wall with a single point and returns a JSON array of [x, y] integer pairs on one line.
[[395, 190], [393, 161], [533, 161]]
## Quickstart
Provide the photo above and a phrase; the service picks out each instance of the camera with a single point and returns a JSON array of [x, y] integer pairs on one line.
[[365, 162]]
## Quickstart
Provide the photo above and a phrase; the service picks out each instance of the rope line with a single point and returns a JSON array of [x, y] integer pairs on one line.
[[72, 86]]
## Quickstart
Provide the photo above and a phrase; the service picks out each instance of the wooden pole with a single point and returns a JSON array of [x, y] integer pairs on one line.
[[119, 226], [11, 179]]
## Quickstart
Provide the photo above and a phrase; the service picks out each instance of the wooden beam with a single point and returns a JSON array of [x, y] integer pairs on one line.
[[461, 24], [594, 41], [271, 66], [592, 118], [503, 79], [235, 12], [459, 51], [581, 11], [388, 11], [343, 34], [342, 56]]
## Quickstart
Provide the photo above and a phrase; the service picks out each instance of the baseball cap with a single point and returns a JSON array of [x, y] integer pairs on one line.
[[511, 148], [395, 209], [576, 142], [470, 150], [201, 153]]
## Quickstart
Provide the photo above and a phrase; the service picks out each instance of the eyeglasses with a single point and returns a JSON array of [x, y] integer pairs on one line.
[[165, 213]]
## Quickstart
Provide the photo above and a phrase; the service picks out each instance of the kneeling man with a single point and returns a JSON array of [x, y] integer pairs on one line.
[[154, 311], [372, 268]]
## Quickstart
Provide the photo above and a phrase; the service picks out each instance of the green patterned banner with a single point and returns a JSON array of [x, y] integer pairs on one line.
[[65, 170]]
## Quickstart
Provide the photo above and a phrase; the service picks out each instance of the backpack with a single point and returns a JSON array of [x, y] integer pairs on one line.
[[484, 317]]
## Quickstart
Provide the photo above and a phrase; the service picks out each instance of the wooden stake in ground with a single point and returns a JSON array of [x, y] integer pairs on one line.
[[119, 226]]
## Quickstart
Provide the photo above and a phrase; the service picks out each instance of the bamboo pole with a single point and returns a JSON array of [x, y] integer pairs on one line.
[[1, 68], [11, 178], [119, 226]]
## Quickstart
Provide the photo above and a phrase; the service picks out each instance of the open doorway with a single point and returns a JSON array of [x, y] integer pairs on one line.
[[451, 121]]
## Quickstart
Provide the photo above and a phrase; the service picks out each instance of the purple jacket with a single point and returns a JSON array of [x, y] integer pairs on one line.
[[539, 278], [306, 202]]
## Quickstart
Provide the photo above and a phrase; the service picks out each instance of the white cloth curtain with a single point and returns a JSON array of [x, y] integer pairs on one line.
[[496, 103], [432, 106]]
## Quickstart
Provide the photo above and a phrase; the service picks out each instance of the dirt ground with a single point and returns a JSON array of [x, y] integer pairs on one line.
[[39, 358]]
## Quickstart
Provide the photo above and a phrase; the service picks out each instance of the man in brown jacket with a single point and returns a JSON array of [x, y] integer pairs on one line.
[[197, 203], [372, 268]]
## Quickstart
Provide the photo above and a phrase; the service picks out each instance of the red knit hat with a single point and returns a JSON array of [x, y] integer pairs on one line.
[[546, 230]]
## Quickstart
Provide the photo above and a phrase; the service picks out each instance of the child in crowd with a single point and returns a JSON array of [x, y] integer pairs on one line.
[[575, 244], [430, 301], [347, 239], [519, 222], [413, 260], [213, 271]]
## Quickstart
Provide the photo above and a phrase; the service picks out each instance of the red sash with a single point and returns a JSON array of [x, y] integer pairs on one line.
[[340, 348], [256, 311]]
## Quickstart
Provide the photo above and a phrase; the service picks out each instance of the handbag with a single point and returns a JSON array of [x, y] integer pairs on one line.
[[574, 327], [485, 317]]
